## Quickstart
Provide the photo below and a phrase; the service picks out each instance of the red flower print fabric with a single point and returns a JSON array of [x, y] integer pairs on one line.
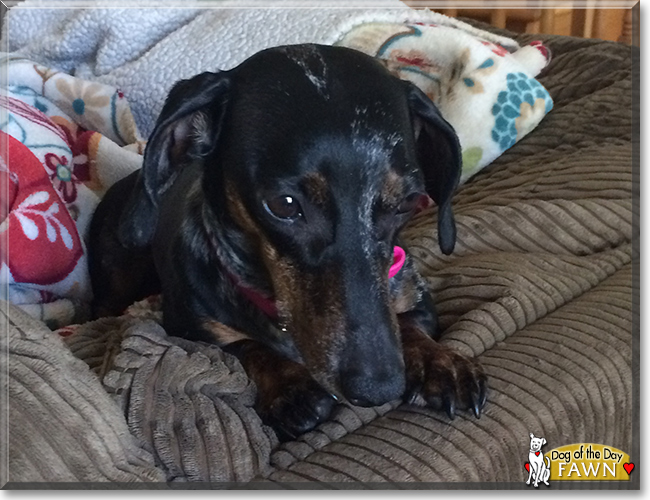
[[45, 246], [63, 142]]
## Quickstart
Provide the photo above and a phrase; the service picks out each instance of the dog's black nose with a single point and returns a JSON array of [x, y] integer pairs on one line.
[[373, 384]]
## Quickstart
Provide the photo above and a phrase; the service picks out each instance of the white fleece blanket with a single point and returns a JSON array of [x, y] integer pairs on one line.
[[143, 51]]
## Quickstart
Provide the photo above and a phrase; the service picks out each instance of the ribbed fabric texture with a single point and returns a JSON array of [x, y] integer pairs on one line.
[[188, 403], [191, 404], [62, 424]]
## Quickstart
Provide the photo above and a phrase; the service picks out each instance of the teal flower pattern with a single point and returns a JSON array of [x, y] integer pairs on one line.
[[523, 102]]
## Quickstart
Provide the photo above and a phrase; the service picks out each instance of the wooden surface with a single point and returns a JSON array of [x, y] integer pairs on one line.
[[606, 24]]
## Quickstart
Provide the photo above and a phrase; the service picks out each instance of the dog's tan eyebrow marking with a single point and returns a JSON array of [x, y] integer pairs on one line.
[[317, 187], [392, 189]]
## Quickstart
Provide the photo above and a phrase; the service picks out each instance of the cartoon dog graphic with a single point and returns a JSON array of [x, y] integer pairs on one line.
[[538, 470]]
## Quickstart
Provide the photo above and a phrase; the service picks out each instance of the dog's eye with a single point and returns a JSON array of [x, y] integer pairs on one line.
[[409, 203], [284, 207]]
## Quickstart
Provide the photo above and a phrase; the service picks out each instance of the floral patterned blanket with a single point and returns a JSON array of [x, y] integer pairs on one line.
[[487, 91], [63, 142]]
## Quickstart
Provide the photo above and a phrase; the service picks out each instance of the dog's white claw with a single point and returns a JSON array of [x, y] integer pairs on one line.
[[476, 405], [450, 407]]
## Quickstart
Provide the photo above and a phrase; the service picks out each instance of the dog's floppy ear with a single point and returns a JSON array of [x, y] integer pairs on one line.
[[183, 131], [440, 159]]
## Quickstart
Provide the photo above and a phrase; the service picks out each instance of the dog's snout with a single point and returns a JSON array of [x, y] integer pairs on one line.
[[373, 378], [371, 368], [371, 389]]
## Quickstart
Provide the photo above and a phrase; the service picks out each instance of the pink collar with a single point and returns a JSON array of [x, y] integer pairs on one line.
[[267, 304]]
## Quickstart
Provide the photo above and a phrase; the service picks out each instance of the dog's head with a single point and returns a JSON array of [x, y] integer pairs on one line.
[[536, 443], [316, 157]]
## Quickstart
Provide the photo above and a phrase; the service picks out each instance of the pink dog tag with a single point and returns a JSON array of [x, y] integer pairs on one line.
[[399, 256]]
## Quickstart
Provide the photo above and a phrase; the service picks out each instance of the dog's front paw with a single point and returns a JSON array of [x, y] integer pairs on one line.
[[441, 378], [288, 397], [297, 405]]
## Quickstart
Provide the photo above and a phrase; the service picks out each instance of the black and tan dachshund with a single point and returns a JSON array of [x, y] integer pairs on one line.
[[270, 200]]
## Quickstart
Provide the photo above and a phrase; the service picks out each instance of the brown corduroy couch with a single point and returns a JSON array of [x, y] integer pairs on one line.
[[540, 288]]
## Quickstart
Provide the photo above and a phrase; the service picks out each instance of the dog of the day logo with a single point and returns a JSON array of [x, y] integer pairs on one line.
[[538, 466], [576, 462]]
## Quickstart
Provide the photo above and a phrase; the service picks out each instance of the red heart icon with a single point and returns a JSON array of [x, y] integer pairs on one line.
[[537, 453], [527, 465], [628, 468]]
